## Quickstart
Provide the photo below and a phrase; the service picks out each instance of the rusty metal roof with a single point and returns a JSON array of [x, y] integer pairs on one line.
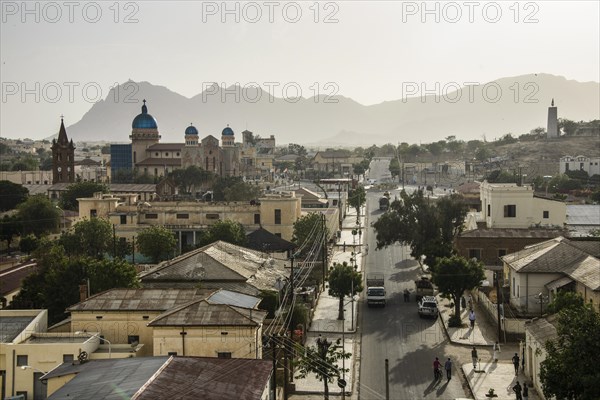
[[158, 378], [209, 379], [139, 299]]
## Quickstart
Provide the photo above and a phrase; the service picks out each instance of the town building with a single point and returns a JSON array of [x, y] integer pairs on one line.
[[537, 332], [537, 272], [146, 155], [591, 165]]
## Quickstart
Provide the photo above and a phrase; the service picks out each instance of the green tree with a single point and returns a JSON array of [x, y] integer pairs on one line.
[[10, 226], [567, 126], [570, 370], [191, 178], [28, 243], [343, 281], [453, 276], [241, 191], [428, 229], [156, 242], [55, 284], [501, 176], [89, 237], [227, 230], [12, 195], [308, 230], [38, 215], [221, 183], [68, 200], [357, 198], [394, 167], [322, 360], [361, 167], [564, 299]]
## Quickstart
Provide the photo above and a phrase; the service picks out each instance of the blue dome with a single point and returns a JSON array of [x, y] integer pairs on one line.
[[144, 120], [191, 130], [227, 131]]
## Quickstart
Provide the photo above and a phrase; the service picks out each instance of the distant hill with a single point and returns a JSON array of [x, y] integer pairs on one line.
[[508, 105]]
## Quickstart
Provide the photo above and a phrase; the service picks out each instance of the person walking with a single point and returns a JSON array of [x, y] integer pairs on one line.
[[406, 295], [496, 349], [517, 389], [437, 374], [448, 368], [525, 392], [474, 357], [472, 318], [515, 361]]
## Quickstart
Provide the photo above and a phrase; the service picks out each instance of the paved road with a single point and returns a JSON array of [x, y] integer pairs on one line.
[[397, 333]]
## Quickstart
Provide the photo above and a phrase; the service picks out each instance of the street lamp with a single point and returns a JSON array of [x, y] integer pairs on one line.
[[97, 335]]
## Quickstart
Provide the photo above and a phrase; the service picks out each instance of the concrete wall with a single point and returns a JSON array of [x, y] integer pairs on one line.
[[529, 210], [240, 341], [117, 326]]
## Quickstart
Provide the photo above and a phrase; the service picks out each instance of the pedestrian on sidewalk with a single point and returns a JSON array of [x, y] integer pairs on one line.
[[515, 360], [497, 350], [525, 391], [406, 295], [517, 389], [474, 357], [472, 318], [448, 368]]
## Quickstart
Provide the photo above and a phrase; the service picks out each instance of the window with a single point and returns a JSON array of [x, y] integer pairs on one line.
[[183, 216], [21, 360], [93, 213], [22, 393], [278, 217], [212, 216], [67, 358], [475, 253], [278, 235], [133, 339], [489, 210], [123, 219], [546, 214], [502, 252], [151, 216], [510, 211], [224, 354], [257, 219], [172, 353]]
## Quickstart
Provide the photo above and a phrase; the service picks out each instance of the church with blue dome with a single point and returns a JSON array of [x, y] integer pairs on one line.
[[150, 156]]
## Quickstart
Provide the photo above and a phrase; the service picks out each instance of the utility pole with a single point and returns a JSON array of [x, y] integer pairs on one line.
[[498, 297], [114, 242], [387, 380], [324, 248], [292, 277]]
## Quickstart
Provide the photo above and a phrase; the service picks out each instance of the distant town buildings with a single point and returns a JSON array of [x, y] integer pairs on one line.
[[146, 155], [591, 165]]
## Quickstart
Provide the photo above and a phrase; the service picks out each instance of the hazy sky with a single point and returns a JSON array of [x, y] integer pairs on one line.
[[59, 57]]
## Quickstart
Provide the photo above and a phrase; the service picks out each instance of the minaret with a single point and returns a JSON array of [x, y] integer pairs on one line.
[[63, 157], [552, 131]]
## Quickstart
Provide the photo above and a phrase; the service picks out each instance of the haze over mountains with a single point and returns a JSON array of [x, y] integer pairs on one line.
[[508, 105]]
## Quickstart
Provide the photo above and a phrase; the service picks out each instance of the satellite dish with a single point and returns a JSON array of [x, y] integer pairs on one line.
[[82, 357]]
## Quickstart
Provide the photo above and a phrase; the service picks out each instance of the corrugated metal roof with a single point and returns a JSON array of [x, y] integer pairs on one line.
[[11, 327], [583, 214], [513, 233], [220, 262], [139, 299], [234, 299], [165, 146], [541, 330], [203, 313], [106, 379], [196, 378], [587, 272]]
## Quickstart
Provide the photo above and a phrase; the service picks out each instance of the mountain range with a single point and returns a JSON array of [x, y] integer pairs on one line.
[[487, 111]]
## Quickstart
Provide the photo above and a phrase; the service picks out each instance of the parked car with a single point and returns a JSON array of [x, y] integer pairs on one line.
[[428, 307]]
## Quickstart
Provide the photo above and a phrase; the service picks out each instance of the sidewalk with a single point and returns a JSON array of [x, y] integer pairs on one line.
[[500, 375], [325, 320]]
